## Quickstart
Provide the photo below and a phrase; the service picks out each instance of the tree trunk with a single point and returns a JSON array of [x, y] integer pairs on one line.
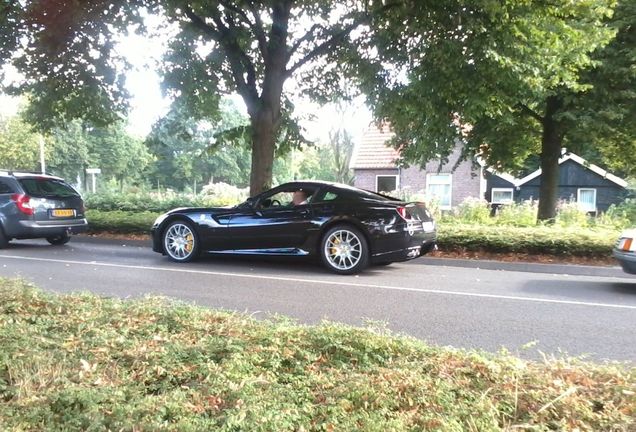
[[550, 153], [264, 132]]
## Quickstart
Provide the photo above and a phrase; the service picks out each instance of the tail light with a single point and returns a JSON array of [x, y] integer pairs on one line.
[[23, 202], [402, 212]]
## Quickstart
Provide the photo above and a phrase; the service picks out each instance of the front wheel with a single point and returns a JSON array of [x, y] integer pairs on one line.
[[59, 240], [344, 250], [180, 242]]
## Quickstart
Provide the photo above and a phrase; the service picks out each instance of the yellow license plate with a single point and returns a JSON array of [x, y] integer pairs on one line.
[[63, 213]]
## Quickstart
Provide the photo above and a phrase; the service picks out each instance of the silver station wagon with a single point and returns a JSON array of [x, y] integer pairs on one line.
[[39, 206]]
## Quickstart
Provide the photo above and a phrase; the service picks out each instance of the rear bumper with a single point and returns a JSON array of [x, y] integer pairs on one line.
[[33, 229], [403, 245], [627, 260]]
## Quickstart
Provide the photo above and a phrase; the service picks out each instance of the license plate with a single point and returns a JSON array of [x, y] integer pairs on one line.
[[63, 213], [428, 226]]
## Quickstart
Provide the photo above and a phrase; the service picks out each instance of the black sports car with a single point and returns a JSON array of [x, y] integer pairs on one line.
[[348, 228]]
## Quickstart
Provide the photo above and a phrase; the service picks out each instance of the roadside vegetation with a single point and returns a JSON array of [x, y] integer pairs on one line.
[[82, 362], [470, 228]]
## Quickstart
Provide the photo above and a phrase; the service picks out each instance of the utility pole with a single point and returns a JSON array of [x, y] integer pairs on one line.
[[42, 163]]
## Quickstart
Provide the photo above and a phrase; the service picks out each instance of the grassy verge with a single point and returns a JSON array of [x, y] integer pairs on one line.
[[87, 363], [558, 241]]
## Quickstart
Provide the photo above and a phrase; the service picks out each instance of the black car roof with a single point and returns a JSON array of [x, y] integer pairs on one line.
[[342, 187]]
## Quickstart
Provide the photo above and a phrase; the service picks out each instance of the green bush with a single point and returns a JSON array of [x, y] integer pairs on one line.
[[619, 216], [530, 240], [87, 363], [123, 222], [569, 214], [473, 210], [523, 214], [140, 201]]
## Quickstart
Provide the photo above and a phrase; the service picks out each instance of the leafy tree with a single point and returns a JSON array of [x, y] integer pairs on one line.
[[118, 154], [505, 78], [608, 110], [188, 150], [252, 48], [68, 150], [19, 145], [79, 145]]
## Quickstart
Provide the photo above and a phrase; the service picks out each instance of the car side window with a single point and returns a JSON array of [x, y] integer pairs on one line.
[[283, 199], [330, 196], [327, 196], [5, 188]]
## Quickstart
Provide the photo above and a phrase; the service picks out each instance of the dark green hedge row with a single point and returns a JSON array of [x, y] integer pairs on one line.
[[501, 239], [120, 221], [530, 240]]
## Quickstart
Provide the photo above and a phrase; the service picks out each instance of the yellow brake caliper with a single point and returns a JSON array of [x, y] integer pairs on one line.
[[333, 249], [189, 242]]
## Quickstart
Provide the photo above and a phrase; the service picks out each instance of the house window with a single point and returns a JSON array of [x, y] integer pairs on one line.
[[501, 196], [386, 183], [438, 186], [586, 199]]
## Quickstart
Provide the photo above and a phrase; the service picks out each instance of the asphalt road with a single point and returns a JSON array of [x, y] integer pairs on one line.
[[581, 311]]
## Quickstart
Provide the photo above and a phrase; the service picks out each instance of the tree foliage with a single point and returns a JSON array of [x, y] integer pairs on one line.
[[19, 145], [189, 150], [504, 78], [224, 46]]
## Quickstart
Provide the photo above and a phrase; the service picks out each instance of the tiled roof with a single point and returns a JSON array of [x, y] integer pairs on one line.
[[372, 151]]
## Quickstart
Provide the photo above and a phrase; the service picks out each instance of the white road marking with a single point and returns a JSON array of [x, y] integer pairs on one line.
[[324, 282]]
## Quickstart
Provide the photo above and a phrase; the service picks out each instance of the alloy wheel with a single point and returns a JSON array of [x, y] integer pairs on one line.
[[343, 250], [179, 242]]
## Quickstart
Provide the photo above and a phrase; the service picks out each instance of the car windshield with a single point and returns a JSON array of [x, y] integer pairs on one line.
[[46, 187]]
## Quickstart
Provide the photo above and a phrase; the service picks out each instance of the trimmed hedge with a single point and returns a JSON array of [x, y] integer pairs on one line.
[[498, 239], [530, 240], [120, 221]]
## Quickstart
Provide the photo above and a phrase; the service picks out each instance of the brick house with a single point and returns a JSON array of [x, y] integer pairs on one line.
[[375, 168]]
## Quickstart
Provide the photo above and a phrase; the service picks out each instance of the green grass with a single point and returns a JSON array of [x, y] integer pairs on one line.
[[86, 363]]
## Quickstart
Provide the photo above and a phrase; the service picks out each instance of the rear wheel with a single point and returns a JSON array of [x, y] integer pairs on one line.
[[180, 242], [59, 240], [4, 241], [344, 250]]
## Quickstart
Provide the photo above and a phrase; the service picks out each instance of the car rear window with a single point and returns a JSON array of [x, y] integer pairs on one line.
[[44, 187], [5, 188]]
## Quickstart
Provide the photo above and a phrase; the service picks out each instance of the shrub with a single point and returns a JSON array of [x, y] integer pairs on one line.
[[473, 210], [530, 240], [120, 221], [569, 214], [225, 194], [522, 214], [151, 201], [619, 216]]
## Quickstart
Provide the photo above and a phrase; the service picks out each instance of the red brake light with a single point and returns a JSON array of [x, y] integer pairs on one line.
[[23, 202], [402, 212]]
